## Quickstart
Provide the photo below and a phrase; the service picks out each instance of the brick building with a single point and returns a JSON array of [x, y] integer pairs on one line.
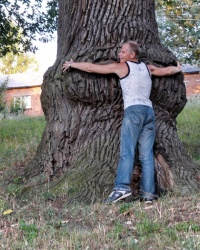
[[24, 88], [191, 79]]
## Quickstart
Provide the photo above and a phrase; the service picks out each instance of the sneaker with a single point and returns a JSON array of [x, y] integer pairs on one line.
[[148, 201], [117, 195]]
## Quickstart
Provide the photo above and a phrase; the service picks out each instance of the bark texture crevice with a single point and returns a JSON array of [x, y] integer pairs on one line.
[[79, 149]]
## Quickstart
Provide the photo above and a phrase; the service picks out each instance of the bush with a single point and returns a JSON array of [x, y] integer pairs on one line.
[[3, 87], [17, 107]]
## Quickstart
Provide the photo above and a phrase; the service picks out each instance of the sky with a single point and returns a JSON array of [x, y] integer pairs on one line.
[[46, 54]]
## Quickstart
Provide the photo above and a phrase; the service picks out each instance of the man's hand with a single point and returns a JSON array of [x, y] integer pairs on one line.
[[67, 65], [179, 66]]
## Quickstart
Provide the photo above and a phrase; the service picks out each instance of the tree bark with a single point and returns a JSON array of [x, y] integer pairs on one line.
[[79, 149]]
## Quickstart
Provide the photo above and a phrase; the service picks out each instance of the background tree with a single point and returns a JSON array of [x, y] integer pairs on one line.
[[12, 64], [179, 28], [79, 149], [3, 86], [22, 20]]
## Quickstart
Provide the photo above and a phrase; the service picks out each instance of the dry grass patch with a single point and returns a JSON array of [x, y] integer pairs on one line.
[[170, 223], [43, 222]]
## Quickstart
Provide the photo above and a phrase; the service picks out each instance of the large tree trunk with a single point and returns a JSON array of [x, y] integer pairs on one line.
[[79, 150]]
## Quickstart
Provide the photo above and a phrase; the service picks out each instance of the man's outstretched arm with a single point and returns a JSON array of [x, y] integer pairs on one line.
[[166, 71], [113, 68]]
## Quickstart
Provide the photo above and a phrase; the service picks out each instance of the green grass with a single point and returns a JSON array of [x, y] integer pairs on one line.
[[189, 128], [44, 222], [19, 138]]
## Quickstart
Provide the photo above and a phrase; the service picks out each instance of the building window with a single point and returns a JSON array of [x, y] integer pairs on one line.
[[23, 101]]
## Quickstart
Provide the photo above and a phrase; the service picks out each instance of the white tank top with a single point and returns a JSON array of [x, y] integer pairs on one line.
[[136, 85]]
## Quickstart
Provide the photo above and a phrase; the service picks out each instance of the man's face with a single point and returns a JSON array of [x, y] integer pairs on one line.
[[125, 55]]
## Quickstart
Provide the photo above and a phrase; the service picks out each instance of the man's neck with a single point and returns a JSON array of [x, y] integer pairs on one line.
[[134, 60]]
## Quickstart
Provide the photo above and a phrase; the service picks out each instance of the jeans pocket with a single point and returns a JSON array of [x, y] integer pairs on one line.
[[135, 118]]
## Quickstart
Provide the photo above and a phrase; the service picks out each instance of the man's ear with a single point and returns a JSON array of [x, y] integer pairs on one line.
[[133, 55]]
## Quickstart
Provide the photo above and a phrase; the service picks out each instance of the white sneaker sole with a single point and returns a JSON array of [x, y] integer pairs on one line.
[[122, 197]]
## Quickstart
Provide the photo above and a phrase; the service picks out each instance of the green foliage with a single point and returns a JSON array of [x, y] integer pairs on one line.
[[125, 207], [21, 21], [171, 233], [147, 228], [118, 231], [30, 231], [179, 28], [188, 244], [12, 64], [17, 107], [14, 190], [118, 228], [187, 226], [3, 204], [3, 87]]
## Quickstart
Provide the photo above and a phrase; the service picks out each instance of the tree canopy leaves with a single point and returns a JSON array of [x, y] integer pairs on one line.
[[179, 28], [12, 64], [21, 21]]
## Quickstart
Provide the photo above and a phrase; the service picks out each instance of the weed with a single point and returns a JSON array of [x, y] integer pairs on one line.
[[48, 195], [2, 204], [14, 189], [30, 231], [171, 233], [187, 226], [117, 231], [147, 227], [125, 207], [189, 243]]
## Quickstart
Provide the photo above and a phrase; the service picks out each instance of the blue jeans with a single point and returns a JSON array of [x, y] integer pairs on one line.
[[138, 128]]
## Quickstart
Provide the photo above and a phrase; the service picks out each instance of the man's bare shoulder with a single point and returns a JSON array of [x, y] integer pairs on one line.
[[122, 69]]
